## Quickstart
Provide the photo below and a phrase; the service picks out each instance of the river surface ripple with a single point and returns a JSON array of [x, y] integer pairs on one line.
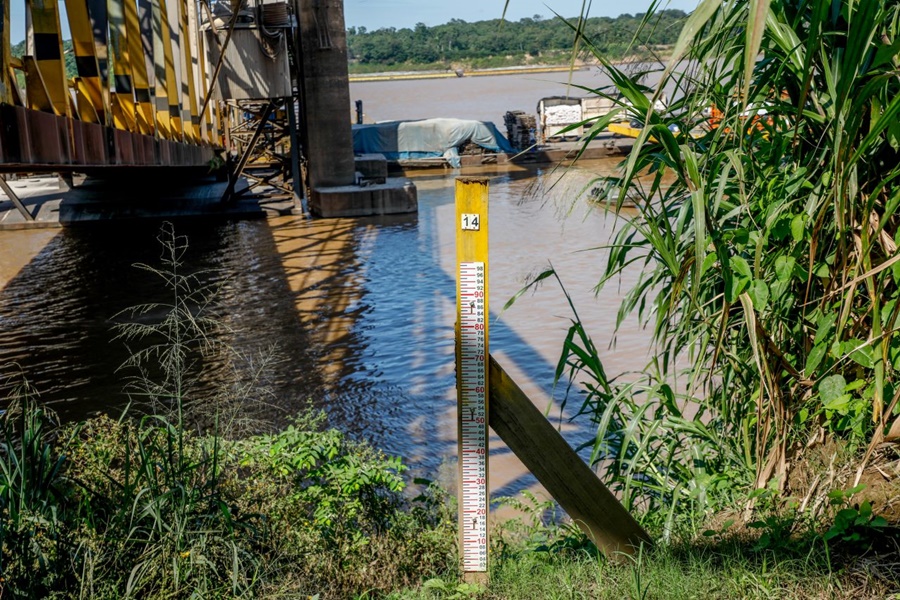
[[352, 315]]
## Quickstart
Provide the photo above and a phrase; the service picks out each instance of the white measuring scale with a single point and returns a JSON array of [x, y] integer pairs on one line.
[[472, 374], [473, 415]]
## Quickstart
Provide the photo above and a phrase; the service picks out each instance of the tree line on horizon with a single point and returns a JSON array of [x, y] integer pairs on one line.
[[460, 41]]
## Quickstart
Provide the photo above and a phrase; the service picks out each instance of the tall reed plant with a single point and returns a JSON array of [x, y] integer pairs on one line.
[[35, 503], [766, 241]]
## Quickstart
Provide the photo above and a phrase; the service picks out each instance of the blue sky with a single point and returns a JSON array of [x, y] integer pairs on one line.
[[374, 14]]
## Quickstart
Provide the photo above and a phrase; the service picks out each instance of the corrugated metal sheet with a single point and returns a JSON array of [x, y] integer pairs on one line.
[[249, 73]]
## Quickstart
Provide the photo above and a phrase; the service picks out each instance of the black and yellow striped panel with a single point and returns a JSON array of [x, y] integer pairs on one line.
[[100, 26], [37, 96], [48, 52], [142, 94], [176, 129], [208, 117], [188, 89], [160, 39], [83, 103], [82, 32], [124, 116]]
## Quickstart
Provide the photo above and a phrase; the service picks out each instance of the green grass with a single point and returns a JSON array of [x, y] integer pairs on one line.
[[726, 571], [134, 508]]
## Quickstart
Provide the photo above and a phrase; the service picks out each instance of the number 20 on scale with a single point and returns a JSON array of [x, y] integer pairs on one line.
[[472, 374]]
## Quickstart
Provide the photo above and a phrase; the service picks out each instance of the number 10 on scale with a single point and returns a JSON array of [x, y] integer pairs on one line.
[[472, 316], [473, 416]]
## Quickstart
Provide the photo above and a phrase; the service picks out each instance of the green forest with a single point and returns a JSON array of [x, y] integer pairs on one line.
[[493, 43], [18, 50], [499, 43]]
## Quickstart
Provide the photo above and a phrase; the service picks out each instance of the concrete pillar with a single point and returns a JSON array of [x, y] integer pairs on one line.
[[325, 93]]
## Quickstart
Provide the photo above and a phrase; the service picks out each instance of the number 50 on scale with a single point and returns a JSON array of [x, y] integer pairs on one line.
[[472, 324]]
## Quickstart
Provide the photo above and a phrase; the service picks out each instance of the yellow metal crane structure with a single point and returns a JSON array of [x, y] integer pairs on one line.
[[140, 77]]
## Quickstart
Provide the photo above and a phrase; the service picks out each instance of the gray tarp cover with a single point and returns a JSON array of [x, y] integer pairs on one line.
[[428, 138]]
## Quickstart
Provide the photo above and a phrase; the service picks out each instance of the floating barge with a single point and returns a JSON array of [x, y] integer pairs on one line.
[[561, 153]]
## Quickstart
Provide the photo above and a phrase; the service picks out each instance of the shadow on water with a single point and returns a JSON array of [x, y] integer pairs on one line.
[[57, 314], [360, 312]]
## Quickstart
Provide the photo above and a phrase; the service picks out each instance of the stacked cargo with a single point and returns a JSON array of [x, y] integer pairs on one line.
[[520, 129], [558, 113]]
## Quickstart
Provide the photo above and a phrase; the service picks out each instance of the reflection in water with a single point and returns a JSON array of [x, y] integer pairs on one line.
[[360, 311]]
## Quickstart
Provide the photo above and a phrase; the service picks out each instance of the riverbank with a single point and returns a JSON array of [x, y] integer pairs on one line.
[[141, 507], [458, 73]]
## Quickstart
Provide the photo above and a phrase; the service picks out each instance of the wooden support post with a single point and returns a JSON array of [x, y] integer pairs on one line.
[[472, 322], [6, 95], [560, 470], [48, 52], [91, 108]]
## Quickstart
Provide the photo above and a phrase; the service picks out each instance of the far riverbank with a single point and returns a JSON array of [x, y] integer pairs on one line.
[[453, 74]]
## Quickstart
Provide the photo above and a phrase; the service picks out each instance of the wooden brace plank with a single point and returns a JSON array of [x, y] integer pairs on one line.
[[560, 470]]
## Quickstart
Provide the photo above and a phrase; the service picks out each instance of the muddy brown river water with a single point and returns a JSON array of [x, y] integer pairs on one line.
[[351, 315]]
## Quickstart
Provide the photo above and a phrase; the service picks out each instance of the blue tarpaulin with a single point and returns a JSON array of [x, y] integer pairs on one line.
[[428, 138]]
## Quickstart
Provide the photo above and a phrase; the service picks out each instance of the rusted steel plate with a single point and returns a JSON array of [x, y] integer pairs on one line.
[[124, 147], [149, 149], [65, 140], [177, 154], [45, 138], [95, 145], [137, 145], [165, 155], [79, 156], [25, 150]]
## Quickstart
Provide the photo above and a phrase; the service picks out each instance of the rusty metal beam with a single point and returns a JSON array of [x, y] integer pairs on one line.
[[242, 163], [235, 8], [15, 200]]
